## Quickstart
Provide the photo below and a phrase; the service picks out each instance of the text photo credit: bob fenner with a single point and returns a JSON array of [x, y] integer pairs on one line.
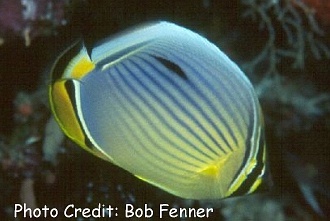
[[108, 211]]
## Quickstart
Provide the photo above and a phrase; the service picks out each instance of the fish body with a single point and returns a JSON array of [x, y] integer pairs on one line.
[[165, 104]]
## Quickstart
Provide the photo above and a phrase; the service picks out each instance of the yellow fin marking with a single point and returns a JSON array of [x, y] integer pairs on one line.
[[255, 185], [214, 169], [82, 67], [211, 170]]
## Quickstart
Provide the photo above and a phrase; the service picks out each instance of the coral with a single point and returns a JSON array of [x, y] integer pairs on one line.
[[21, 151], [290, 15], [322, 8], [261, 207], [291, 103], [30, 18], [293, 34], [310, 180], [53, 139], [21, 154], [291, 106]]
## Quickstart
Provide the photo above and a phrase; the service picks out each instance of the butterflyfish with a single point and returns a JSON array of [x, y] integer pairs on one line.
[[165, 104]]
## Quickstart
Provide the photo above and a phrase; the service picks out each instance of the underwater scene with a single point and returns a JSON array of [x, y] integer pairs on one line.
[[165, 109]]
